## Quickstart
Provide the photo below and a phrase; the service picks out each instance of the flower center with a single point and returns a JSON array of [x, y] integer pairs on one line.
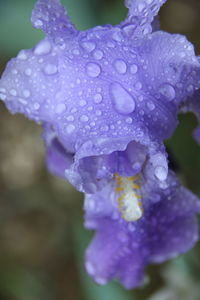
[[129, 203]]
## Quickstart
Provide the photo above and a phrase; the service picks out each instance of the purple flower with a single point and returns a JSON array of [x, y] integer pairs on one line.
[[122, 249], [107, 98]]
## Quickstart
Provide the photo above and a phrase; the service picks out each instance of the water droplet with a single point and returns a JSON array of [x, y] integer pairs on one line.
[[90, 269], [123, 102], [38, 23], [93, 70], [36, 105], [134, 69], [2, 96], [14, 71], [161, 173], [13, 92], [129, 120], [129, 29], [167, 91], [26, 93], [98, 112], [190, 88], [22, 55], [82, 103], [70, 128], [88, 46], [150, 105], [84, 118], [70, 118], [117, 36], [60, 108], [120, 66], [98, 98], [28, 72], [138, 86], [50, 69], [98, 54], [44, 47]]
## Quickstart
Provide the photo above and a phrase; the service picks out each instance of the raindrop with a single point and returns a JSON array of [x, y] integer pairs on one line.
[[70, 128], [13, 92], [120, 66], [22, 55], [50, 69], [150, 105], [134, 69], [26, 93], [98, 98], [44, 47], [84, 118], [161, 173], [168, 91], [88, 46], [129, 120], [129, 29], [82, 103], [93, 70], [98, 54], [36, 105], [70, 118], [28, 72], [123, 102], [60, 108], [138, 86], [38, 23]]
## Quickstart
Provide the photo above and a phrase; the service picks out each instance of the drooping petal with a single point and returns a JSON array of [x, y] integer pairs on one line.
[[52, 18], [122, 249], [111, 255], [58, 159]]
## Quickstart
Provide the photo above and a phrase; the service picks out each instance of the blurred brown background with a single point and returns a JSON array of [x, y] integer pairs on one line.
[[42, 241]]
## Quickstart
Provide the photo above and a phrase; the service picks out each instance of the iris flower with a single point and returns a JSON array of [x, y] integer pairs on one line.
[[107, 98]]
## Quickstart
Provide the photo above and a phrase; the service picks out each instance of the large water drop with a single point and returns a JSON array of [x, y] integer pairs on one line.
[[168, 91], [122, 101], [93, 70]]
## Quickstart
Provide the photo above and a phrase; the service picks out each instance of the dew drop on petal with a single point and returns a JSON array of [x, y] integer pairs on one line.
[[82, 103], [98, 98], [150, 105], [13, 92], [84, 118], [161, 173], [60, 108], [120, 66], [28, 72], [88, 46], [98, 54], [44, 47], [168, 91], [50, 69], [26, 93], [133, 69], [93, 70], [22, 55], [70, 128], [36, 105], [122, 101]]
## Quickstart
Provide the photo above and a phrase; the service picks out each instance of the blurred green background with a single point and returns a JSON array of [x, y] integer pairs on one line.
[[42, 240]]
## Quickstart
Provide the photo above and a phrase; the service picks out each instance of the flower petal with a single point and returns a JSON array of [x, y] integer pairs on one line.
[[140, 16], [51, 17]]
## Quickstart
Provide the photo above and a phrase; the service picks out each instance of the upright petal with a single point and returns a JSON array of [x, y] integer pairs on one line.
[[51, 17], [140, 16]]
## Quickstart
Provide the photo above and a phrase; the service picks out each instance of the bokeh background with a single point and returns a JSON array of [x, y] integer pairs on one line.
[[42, 240]]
